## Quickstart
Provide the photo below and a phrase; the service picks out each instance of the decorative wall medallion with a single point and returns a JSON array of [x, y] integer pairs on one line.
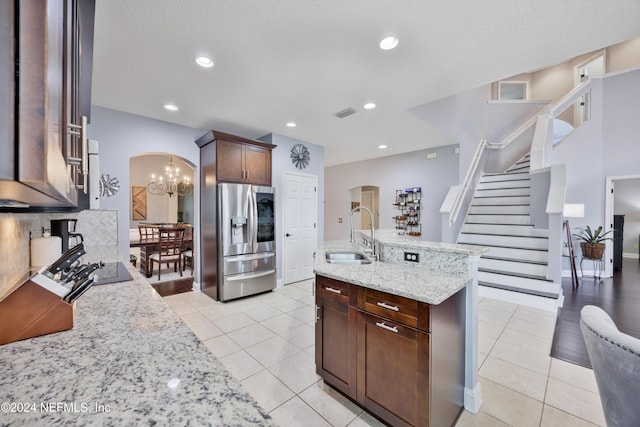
[[108, 185], [300, 156]]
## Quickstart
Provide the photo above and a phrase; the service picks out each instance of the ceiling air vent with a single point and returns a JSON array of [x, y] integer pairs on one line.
[[345, 113]]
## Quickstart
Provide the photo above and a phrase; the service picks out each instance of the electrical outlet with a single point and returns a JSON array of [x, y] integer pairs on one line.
[[411, 256], [635, 246]]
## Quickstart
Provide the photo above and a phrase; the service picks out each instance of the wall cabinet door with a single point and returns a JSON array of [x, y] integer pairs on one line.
[[244, 163], [257, 163], [230, 161], [396, 386], [41, 162]]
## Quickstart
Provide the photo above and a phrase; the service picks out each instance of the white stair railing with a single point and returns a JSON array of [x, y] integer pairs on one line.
[[464, 188]]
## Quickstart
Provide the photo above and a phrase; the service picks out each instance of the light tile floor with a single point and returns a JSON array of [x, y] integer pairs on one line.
[[267, 342]]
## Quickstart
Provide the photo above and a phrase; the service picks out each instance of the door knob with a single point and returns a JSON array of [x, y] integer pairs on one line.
[[288, 235]]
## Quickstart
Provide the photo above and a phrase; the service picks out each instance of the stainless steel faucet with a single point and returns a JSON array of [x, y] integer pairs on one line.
[[371, 250]]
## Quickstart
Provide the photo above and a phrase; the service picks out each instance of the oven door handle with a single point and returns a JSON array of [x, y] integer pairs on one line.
[[250, 276]]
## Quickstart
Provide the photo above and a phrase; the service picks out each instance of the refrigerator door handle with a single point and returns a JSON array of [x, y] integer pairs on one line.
[[254, 223], [249, 257], [250, 276], [249, 213]]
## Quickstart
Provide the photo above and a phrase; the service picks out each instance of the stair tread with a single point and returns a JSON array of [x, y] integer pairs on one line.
[[520, 290], [499, 223], [498, 173], [500, 214], [520, 260], [512, 204], [514, 274], [506, 195], [504, 188], [505, 235], [504, 246]]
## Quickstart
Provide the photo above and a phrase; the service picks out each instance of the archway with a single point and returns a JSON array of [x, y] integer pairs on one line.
[[149, 207], [368, 196]]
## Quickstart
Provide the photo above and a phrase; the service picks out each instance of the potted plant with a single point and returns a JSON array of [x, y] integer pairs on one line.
[[591, 244]]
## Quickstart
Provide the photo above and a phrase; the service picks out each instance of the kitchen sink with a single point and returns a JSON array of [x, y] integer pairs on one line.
[[346, 257]]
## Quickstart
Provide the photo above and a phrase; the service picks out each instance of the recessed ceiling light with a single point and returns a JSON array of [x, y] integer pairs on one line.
[[291, 125], [382, 146], [204, 61], [388, 43], [369, 106], [170, 107]]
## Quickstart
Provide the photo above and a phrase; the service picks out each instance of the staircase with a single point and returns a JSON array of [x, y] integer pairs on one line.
[[516, 264]]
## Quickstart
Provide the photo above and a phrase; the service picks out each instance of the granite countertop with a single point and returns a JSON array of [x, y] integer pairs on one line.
[[391, 237], [129, 360], [411, 281]]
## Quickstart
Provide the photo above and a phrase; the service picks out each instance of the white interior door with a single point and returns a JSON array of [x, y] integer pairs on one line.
[[367, 201], [300, 226]]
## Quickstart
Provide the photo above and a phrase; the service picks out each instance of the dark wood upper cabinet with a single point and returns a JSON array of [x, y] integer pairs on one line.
[[43, 46], [239, 159]]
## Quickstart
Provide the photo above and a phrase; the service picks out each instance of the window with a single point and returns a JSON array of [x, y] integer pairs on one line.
[[513, 90]]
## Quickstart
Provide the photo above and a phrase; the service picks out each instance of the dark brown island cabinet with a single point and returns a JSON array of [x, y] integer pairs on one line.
[[400, 359]]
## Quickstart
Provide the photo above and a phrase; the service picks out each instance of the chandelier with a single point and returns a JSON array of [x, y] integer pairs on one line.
[[172, 184]]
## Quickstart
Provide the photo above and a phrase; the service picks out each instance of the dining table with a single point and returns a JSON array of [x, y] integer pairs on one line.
[[149, 245]]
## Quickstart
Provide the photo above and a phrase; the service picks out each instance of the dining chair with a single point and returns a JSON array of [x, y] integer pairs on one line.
[[615, 358], [147, 231], [187, 259], [170, 245], [187, 246]]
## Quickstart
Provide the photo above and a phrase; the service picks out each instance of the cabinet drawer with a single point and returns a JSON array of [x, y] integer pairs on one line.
[[333, 289], [397, 308]]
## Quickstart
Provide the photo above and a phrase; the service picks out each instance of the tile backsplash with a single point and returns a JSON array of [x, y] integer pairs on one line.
[[14, 245], [99, 228]]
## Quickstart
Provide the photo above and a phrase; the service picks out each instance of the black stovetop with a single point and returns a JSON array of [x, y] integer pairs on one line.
[[112, 272]]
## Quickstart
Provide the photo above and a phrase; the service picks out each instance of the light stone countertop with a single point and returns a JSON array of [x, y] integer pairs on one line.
[[126, 348], [391, 237], [403, 279]]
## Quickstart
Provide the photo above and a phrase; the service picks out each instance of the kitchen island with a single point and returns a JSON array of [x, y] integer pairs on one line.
[[129, 360], [399, 335]]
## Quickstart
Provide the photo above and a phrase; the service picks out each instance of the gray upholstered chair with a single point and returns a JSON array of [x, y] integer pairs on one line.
[[615, 358]]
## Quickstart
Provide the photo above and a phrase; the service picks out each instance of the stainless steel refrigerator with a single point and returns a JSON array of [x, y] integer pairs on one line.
[[246, 240]]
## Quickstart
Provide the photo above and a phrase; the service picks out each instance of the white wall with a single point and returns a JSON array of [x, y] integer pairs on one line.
[[389, 174], [122, 136], [606, 146]]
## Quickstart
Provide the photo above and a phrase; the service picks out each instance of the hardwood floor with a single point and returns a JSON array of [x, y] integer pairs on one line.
[[172, 287], [618, 296]]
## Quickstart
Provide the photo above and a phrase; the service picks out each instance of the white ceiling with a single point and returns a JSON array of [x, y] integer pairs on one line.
[[304, 60]]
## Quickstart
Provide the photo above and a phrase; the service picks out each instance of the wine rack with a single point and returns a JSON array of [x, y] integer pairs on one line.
[[407, 205]]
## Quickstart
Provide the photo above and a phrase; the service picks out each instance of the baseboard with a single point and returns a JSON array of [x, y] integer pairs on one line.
[[630, 255], [567, 273]]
